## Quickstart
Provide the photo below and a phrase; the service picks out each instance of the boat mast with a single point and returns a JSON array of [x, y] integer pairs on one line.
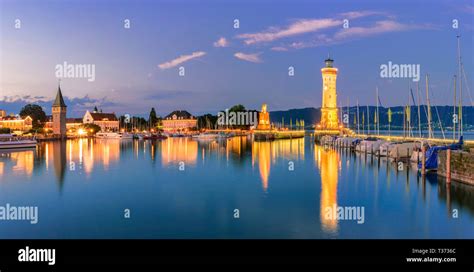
[[460, 87], [404, 121], [358, 127], [430, 132], [348, 114], [418, 101], [368, 119], [410, 132], [454, 109], [378, 117]]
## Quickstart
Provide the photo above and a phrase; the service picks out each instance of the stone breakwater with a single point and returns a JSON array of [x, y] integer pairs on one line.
[[462, 165]]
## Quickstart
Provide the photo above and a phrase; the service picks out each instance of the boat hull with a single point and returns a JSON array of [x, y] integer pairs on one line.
[[17, 145]]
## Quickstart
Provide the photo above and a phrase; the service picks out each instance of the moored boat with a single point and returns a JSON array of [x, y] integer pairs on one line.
[[125, 135], [9, 141], [206, 135], [108, 135], [154, 136], [402, 149]]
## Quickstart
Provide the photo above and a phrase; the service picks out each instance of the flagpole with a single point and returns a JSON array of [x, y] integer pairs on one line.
[[389, 121]]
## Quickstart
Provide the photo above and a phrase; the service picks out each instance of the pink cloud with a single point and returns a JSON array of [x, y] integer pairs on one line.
[[297, 28], [248, 57], [222, 42], [181, 59]]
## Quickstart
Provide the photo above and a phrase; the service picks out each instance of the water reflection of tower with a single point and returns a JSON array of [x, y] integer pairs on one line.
[[327, 161], [59, 161], [267, 153], [262, 151]]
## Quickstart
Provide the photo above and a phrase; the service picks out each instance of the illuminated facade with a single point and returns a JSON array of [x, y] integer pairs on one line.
[[179, 121], [263, 119], [59, 115], [329, 116], [16, 123], [106, 121]]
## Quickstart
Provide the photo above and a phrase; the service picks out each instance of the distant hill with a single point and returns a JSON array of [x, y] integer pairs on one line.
[[312, 116]]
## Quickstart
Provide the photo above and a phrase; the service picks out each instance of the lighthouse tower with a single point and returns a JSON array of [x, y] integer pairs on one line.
[[329, 116]]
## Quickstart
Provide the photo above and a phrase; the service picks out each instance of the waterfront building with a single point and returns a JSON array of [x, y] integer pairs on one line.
[[263, 118], [73, 123], [16, 123], [179, 121], [59, 110], [106, 121], [70, 123], [329, 111]]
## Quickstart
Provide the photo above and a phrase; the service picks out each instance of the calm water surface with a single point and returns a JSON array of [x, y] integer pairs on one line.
[[183, 188]]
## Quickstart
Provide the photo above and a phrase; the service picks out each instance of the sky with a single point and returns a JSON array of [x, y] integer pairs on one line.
[[137, 68]]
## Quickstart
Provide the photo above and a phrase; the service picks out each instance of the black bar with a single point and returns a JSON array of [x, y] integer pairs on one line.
[[139, 252]]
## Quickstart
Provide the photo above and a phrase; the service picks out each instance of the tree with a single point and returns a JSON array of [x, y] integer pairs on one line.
[[36, 113], [152, 118], [91, 128], [237, 108]]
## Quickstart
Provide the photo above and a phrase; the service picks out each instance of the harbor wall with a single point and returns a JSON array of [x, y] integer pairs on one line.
[[462, 165]]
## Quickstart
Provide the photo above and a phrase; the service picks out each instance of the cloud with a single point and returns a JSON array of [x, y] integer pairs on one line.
[[351, 33], [248, 57], [76, 105], [181, 59], [170, 94], [469, 9], [360, 14], [299, 27], [279, 48], [222, 42], [379, 27]]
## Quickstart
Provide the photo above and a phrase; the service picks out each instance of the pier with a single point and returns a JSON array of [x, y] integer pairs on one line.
[[404, 138], [263, 135]]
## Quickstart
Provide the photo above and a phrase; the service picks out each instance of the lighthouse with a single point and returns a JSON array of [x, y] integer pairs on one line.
[[329, 116]]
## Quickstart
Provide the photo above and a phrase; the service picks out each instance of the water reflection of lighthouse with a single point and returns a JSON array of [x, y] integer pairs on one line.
[[327, 161]]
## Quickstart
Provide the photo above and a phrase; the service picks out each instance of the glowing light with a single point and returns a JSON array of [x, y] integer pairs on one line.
[[81, 131]]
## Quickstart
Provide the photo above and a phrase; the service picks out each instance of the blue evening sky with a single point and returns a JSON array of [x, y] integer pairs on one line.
[[248, 66]]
